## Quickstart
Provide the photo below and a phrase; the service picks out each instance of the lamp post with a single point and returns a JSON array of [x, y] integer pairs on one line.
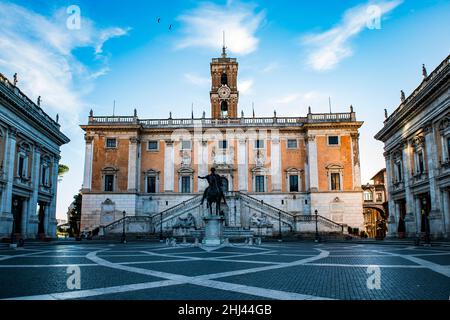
[[160, 226], [124, 236], [317, 229], [279, 226], [13, 229]]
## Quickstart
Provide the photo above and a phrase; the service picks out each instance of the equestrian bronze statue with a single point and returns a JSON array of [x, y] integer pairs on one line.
[[213, 193]]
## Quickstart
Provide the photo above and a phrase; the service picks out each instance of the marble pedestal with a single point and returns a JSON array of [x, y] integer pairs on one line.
[[213, 230]]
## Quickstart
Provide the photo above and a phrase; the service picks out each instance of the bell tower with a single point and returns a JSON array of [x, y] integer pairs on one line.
[[224, 93]]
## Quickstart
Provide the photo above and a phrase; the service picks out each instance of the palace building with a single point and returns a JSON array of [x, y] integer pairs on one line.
[[30, 144], [417, 148], [276, 171]]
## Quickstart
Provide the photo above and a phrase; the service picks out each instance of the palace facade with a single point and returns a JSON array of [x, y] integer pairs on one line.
[[417, 148], [30, 144], [285, 168]]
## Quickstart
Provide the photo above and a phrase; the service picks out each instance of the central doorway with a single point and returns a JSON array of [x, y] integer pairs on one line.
[[41, 217]]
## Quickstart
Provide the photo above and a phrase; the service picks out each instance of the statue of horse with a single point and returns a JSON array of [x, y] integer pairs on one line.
[[214, 195]]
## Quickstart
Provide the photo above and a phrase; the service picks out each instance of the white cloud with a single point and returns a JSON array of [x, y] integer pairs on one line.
[[204, 25], [299, 98], [40, 49], [330, 47], [270, 67], [245, 86], [289, 98], [196, 80]]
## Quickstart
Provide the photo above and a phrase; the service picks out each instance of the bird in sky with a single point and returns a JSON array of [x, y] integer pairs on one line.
[[159, 20], [170, 27]]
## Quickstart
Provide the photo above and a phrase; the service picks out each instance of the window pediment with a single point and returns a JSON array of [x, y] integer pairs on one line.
[[293, 170], [444, 124], [334, 166], [186, 171], [151, 172], [418, 142], [110, 170]]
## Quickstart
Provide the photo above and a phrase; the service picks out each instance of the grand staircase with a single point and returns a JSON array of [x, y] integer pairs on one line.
[[152, 226]]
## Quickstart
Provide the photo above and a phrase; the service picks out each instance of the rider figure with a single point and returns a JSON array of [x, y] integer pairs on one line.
[[210, 178]]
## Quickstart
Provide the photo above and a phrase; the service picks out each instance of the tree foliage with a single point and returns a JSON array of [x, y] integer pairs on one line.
[[74, 215], [62, 170]]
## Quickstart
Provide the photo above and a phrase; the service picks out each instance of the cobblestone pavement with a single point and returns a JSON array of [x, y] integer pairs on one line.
[[286, 271]]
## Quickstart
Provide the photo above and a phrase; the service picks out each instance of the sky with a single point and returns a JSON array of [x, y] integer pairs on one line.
[[154, 56]]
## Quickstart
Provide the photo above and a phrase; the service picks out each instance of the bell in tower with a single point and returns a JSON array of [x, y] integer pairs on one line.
[[224, 93]]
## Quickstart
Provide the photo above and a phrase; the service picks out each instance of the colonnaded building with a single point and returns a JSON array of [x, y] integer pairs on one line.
[[30, 144], [417, 151], [276, 171]]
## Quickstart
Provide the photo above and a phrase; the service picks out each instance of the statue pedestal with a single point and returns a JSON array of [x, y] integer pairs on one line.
[[213, 230]]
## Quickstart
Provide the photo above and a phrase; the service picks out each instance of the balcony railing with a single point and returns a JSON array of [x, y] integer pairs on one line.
[[235, 122]]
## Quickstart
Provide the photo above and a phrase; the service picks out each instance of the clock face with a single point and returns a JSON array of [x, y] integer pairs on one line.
[[224, 92]]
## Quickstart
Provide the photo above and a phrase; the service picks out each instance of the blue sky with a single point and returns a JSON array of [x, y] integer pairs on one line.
[[292, 54]]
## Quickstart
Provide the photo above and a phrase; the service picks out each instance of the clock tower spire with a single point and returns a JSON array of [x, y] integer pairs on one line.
[[224, 93]]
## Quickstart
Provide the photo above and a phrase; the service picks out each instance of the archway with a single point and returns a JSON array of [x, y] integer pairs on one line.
[[225, 184]]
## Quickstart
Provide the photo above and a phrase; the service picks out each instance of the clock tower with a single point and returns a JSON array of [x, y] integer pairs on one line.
[[224, 93]]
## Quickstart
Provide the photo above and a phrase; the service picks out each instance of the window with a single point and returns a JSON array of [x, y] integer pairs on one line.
[[259, 144], [224, 109], [368, 196], [420, 162], [379, 197], [223, 144], [21, 168], [224, 79], [109, 183], [111, 143], [398, 171], [293, 184], [153, 145], [151, 184], [186, 184], [186, 145], [292, 144], [333, 140], [45, 174], [259, 183], [448, 147], [335, 181]]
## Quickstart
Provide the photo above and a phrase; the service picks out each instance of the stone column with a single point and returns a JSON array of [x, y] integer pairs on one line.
[[10, 154], [409, 218], [25, 216], [446, 211], [133, 165], [435, 216], [36, 182], [47, 219], [242, 165], [50, 230], [312, 161], [418, 214], [88, 160], [356, 168], [9, 169], [393, 210], [276, 164], [169, 167]]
